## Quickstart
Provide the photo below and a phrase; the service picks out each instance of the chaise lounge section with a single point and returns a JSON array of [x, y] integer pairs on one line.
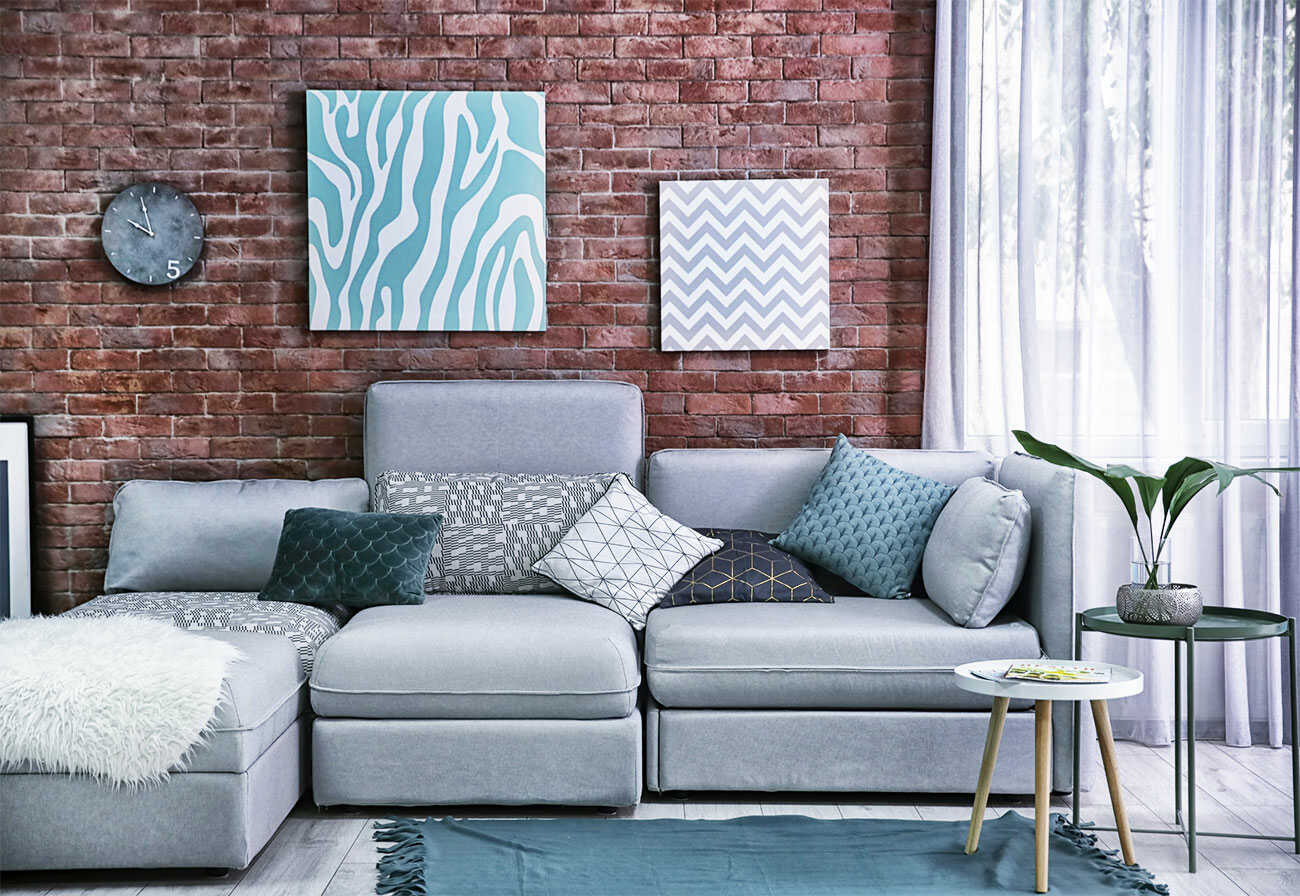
[[194, 554]]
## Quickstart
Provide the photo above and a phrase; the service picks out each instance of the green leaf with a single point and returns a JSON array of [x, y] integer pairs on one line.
[[1225, 473], [1190, 487], [1177, 474], [1055, 454], [1206, 471], [1148, 486]]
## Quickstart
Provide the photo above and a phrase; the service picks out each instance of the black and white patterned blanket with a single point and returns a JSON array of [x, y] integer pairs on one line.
[[306, 626]]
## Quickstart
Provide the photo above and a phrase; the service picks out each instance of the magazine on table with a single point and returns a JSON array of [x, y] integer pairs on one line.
[[1064, 673], [1048, 671]]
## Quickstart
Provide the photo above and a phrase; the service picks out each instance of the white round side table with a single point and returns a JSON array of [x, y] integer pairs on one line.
[[985, 678]]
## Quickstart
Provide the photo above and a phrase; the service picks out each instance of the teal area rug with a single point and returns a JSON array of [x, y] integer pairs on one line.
[[758, 856]]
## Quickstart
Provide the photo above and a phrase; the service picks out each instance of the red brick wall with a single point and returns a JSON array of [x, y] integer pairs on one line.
[[218, 375]]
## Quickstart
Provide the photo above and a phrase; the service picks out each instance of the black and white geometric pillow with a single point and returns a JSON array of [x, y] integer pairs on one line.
[[624, 554], [494, 525]]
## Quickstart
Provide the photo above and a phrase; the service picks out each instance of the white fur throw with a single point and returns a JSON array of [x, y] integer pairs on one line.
[[121, 699]]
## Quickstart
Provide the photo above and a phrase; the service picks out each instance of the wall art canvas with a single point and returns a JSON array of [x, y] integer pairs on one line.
[[426, 210], [16, 550], [744, 264]]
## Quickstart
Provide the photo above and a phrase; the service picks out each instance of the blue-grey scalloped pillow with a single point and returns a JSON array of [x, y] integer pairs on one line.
[[866, 521], [356, 559]]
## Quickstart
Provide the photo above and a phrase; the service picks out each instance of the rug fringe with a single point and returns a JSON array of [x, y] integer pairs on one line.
[[401, 863], [1107, 861]]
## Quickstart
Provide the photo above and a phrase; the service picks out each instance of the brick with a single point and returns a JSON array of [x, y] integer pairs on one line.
[[641, 47], [682, 23]]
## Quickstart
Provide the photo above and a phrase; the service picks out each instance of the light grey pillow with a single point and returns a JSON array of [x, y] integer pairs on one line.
[[976, 555], [494, 525]]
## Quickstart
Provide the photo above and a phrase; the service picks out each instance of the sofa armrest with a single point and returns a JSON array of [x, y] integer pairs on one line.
[[1046, 595]]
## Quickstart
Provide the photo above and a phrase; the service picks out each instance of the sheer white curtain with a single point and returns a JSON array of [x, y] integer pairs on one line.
[[1112, 268]]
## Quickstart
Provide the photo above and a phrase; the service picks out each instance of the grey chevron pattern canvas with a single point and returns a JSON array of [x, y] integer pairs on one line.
[[744, 264]]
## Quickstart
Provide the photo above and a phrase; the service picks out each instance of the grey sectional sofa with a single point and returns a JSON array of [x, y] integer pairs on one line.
[[534, 699]]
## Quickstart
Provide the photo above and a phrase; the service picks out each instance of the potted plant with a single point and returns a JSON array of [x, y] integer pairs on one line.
[[1149, 600]]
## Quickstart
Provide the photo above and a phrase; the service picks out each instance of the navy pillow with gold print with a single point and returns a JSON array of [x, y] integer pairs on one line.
[[356, 559], [747, 570]]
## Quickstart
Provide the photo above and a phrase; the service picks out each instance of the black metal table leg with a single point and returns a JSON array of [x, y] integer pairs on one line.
[[1295, 740], [1191, 749], [1178, 736], [1078, 654]]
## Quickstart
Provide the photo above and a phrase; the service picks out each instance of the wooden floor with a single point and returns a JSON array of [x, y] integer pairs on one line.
[[330, 853]]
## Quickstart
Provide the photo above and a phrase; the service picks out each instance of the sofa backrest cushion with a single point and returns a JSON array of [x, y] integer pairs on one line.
[[504, 426], [764, 488], [210, 536]]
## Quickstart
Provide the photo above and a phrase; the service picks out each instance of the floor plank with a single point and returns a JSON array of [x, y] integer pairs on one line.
[[720, 810], [1206, 882], [1270, 764], [92, 889], [1268, 883], [302, 858], [673, 809], [194, 887], [904, 811], [1227, 780], [958, 813], [353, 879], [812, 810]]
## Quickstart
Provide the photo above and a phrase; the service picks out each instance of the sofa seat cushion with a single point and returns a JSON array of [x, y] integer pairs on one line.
[[477, 656], [263, 695], [857, 653]]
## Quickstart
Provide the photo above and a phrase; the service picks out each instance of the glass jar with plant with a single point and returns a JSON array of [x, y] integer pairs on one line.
[[1151, 599]]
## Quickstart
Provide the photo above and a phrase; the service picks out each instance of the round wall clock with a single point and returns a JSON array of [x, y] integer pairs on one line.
[[152, 233]]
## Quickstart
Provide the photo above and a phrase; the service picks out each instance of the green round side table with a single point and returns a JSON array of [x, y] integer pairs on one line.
[[1215, 624]]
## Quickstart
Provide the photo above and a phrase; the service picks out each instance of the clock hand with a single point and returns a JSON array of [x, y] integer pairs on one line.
[[139, 227], [147, 223]]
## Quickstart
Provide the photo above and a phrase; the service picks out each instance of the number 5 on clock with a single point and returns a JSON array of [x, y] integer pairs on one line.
[[173, 268]]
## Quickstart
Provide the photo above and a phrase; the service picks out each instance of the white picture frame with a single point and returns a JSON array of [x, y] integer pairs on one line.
[[16, 554], [744, 264]]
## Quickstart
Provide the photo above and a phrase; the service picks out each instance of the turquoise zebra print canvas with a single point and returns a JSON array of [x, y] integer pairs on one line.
[[426, 210]]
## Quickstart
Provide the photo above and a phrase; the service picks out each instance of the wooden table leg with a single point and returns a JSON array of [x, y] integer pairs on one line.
[[991, 743], [1042, 789], [1101, 718]]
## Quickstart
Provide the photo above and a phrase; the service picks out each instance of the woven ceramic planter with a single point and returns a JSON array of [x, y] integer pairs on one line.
[[1174, 604]]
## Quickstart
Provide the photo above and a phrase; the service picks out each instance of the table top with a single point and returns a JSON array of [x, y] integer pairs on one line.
[[1215, 624], [1124, 682]]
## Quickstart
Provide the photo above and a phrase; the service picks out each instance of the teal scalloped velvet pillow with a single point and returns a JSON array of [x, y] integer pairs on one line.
[[866, 521], [356, 559]]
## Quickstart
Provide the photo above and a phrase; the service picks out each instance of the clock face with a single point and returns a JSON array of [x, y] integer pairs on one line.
[[152, 233]]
